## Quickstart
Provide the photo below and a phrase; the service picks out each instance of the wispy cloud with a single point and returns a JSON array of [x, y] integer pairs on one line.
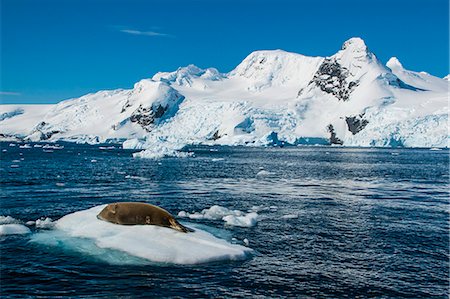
[[145, 33], [9, 93]]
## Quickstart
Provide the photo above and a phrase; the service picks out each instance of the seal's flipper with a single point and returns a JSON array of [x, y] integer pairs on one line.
[[179, 227]]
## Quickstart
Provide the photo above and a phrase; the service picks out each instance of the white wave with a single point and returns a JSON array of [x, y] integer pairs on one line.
[[153, 243]]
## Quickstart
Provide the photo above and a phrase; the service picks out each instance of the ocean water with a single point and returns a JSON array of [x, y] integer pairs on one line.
[[357, 222]]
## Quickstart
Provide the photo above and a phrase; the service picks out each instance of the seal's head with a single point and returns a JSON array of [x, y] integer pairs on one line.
[[109, 213]]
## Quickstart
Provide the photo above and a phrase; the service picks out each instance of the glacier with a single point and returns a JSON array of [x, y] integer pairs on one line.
[[272, 97]]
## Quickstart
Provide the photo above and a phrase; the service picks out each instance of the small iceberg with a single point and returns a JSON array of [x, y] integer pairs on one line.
[[13, 229], [264, 173], [53, 147], [25, 146], [231, 217], [148, 242], [44, 223], [106, 147]]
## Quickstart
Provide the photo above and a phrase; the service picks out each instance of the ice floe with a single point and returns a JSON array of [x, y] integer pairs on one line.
[[8, 220], [231, 217], [13, 229], [45, 223], [152, 243]]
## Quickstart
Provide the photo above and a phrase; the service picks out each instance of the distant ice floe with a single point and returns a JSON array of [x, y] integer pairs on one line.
[[106, 147], [217, 159], [148, 242], [264, 173], [231, 217], [290, 216]]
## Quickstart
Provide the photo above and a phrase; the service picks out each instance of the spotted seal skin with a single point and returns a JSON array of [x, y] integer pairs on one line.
[[132, 213]]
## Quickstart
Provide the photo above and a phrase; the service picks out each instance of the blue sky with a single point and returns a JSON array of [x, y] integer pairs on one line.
[[54, 50]]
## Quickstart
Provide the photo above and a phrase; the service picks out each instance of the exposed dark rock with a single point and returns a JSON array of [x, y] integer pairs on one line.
[[10, 114], [145, 116], [356, 123], [125, 106], [160, 111], [215, 136], [43, 129], [331, 78], [333, 138]]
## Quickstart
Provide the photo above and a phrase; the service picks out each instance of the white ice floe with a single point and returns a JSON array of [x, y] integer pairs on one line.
[[231, 217], [8, 220], [13, 229], [247, 220], [264, 173], [153, 243], [45, 223], [290, 216]]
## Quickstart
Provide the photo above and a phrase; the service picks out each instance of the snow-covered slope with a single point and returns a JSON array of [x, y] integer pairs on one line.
[[271, 97]]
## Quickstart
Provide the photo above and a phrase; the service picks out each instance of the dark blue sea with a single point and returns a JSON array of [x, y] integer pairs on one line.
[[371, 222]]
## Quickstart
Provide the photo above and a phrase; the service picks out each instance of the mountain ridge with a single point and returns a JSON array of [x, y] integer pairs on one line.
[[271, 97]]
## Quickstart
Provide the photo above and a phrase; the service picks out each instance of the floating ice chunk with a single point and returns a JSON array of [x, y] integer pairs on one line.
[[154, 243], [54, 147], [38, 145], [290, 216], [248, 220], [246, 242], [25, 146], [8, 220], [46, 223], [106, 147], [217, 159], [213, 213], [93, 161], [13, 229], [435, 149], [14, 166], [30, 223], [264, 173], [231, 217]]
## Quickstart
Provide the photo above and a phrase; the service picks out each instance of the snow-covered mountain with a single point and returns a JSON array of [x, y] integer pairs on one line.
[[271, 97]]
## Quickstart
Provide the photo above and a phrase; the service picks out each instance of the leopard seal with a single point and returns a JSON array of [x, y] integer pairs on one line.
[[132, 213]]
